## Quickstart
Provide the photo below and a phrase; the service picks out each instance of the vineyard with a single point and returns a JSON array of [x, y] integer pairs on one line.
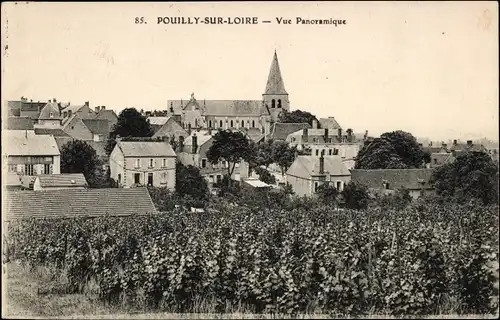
[[413, 261]]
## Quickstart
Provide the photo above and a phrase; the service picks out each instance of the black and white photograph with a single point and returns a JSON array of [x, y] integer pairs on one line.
[[250, 160]]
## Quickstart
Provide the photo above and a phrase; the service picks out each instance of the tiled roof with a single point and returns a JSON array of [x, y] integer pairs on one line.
[[306, 166], [203, 137], [432, 149], [14, 108], [397, 178], [222, 107], [441, 158], [79, 202], [25, 143], [50, 108], [329, 123], [74, 108], [158, 120], [19, 123], [62, 180], [97, 126], [467, 147], [146, 149], [32, 106], [280, 131], [55, 132], [275, 83]]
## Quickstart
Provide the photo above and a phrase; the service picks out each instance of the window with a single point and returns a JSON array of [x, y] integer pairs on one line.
[[329, 152], [211, 178], [150, 179], [28, 169], [386, 185], [219, 179], [12, 167], [137, 178], [242, 123], [151, 163], [203, 163], [164, 177], [232, 123], [237, 165], [65, 114], [279, 103], [119, 178], [210, 123], [52, 115], [253, 123], [46, 169], [164, 163], [316, 185], [137, 163], [273, 103], [317, 152], [435, 161], [220, 123], [339, 185]]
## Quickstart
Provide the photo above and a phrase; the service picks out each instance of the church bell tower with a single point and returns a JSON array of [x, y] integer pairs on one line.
[[275, 96]]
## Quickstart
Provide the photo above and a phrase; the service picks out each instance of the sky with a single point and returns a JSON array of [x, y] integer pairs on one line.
[[429, 68]]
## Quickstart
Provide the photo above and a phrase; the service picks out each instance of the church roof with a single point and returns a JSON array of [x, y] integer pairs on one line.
[[221, 107], [275, 83]]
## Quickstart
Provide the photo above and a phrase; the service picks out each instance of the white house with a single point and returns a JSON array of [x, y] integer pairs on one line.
[[138, 163], [307, 173]]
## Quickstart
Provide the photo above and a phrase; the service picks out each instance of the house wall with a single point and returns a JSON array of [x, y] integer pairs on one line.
[[49, 123], [78, 130], [16, 164], [301, 186], [116, 164], [306, 187], [162, 176]]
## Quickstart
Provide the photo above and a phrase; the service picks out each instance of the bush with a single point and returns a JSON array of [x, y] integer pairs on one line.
[[372, 261]]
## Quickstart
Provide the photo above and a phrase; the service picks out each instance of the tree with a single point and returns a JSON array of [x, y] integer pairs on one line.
[[189, 181], [283, 155], [355, 196], [77, 156], [393, 150], [232, 147], [130, 123], [406, 147], [297, 116], [263, 153], [473, 175], [265, 176], [327, 193], [378, 154]]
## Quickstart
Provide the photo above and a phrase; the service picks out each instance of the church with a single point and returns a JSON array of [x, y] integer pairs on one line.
[[254, 115]]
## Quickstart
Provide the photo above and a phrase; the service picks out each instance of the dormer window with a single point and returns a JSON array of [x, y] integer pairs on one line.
[[52, 115]]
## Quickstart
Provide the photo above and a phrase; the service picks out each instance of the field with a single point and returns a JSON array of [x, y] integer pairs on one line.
[[423, 260]]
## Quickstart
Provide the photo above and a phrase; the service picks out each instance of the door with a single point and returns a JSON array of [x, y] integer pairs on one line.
[[137, 178], [150, 179]]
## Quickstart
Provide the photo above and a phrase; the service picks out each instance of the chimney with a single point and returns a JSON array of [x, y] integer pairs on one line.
[[69, 113], [322, 163], [469, 143], [195, 143], [315, 124], [172, 107], [444, 145], [55, 100], [103, 108], [50, 100], [97, 109], [455, 142], [430, 144], [366, 134], [305, 137], [420, 145], [86, 103]]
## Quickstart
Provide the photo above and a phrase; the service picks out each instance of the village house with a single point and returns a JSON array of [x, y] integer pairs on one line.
[[24, 108], [307, 173], [167, 127], [139, 163], [27, 154], [193, 151], [50, 116], [449, 154], [60, 181], [387, 181], [101, 113], [280, 130], [329, 141], [75, 202]]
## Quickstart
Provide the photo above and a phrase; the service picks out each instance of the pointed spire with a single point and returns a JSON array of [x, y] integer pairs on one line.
[[275, 83]]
